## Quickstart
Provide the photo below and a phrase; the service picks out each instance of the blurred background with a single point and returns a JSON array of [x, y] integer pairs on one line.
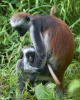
[[11, 44]]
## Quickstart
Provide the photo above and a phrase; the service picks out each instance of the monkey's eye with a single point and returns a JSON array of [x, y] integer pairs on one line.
[[27, 18]]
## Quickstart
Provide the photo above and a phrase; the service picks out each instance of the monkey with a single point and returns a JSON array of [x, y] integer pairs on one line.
[[26, 59], [23, 66], [48, 33]]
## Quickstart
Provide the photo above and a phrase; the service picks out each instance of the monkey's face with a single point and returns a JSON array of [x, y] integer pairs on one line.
[[30, 56], [21, 23], [26, 59]]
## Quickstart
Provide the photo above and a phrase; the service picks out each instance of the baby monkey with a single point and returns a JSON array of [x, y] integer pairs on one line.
[[26, 72], [24, 65]]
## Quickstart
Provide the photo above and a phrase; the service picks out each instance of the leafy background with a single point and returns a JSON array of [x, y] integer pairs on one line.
[[11, 44]]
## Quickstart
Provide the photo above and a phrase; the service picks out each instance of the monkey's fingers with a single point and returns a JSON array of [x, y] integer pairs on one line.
[[53, 75], [40, 70], [30, 69]]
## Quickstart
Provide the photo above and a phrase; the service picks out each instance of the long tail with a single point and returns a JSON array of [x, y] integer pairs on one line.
[[53, 75]]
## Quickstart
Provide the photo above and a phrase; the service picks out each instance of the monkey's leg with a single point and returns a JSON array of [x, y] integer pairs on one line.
[[21, 80], [32, 83], [58, 81], [33, 78], [60, 91], [20, 74]]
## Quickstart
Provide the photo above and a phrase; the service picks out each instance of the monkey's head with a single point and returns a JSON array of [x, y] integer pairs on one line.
[[21, 22], [26, 60], [28, 54]]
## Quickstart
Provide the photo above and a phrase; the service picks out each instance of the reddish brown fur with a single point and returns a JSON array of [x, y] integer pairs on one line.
[[62, 46], [61, 40], [20, 15], [62, 43]]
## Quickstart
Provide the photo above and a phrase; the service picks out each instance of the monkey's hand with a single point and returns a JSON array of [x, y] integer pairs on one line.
[[49, 53], [30, 69], [40, 70]]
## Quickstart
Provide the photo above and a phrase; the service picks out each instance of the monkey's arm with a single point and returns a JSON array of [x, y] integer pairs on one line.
[[40, 57], [42, 70], [31, 69], [20, 74]]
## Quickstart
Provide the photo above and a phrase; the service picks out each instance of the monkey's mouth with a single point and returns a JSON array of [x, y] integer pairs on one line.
[[22, 33]]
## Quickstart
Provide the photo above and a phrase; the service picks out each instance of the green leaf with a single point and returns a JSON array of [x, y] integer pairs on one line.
[[50, 87], [74, 85], [22, 39], [41, 93]]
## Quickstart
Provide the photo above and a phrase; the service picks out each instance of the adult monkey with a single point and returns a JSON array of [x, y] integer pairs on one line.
[[48, 33]]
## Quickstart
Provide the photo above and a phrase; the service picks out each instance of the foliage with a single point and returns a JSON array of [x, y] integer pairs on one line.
[[41, 93], [11, 44], [74, 89]]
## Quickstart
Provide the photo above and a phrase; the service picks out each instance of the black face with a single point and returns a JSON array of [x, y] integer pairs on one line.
[[21, 30], [30, 56], [24, 26]]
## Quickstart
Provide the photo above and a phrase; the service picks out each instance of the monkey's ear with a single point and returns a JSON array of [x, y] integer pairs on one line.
[[27, 18]]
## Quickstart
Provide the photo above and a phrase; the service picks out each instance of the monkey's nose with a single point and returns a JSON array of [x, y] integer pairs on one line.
[[30, 58]]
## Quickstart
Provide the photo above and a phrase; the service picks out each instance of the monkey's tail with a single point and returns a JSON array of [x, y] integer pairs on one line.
[[53, 10], [53, 75]]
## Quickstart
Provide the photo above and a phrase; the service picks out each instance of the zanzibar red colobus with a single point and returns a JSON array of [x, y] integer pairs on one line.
[[48, 33], [24, 68]]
